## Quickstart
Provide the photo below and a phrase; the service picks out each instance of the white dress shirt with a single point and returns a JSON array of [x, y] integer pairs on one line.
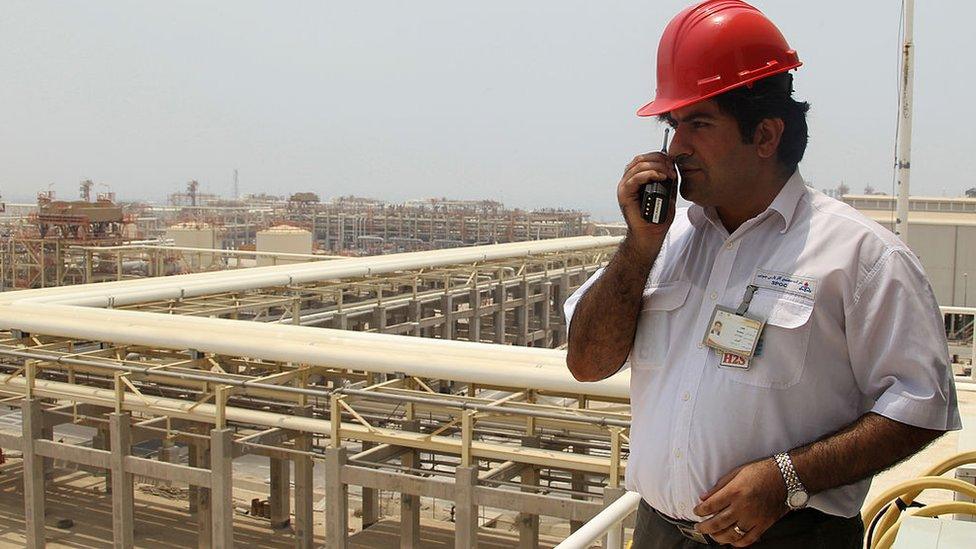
[[852, 326]]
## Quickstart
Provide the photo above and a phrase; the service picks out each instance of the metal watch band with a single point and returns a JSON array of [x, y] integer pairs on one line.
[[785, 465]]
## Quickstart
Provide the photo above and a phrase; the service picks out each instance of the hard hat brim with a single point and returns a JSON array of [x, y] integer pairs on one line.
[[663, 105]]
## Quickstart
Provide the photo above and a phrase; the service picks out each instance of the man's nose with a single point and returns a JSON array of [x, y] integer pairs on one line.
[[679, 145]]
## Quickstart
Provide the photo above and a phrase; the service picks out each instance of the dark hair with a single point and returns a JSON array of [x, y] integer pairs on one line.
[[768, 98]]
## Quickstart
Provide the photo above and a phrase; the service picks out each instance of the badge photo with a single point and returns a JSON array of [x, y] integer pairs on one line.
[[730, 332]]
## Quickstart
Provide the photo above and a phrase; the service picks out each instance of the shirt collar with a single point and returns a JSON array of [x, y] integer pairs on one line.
[[785, 204], [788, 199]]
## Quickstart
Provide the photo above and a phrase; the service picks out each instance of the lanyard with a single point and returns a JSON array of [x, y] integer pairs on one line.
[[746, 300]]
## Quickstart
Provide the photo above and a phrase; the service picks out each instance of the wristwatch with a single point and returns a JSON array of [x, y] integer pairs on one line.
[[796, 492]]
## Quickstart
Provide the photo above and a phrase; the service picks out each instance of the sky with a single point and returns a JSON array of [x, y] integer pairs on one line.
[[530, 103]]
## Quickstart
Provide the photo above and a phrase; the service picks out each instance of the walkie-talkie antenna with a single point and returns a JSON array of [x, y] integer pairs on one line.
[[655, 197]]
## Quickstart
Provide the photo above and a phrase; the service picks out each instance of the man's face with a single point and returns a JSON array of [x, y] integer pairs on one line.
[[716, 166]]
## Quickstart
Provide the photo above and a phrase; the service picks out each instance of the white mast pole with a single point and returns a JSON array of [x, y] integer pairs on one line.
[[904, 154]]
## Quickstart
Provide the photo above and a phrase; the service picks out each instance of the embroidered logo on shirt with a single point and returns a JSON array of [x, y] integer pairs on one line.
[[784, 282]]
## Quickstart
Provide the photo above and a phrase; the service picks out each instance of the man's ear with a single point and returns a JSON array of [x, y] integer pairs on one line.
[[767, 136]]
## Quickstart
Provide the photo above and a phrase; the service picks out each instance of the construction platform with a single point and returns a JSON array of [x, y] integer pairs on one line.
[[215, 369]]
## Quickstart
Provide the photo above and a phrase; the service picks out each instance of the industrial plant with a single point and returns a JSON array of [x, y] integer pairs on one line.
[[215, 369], [300, 372]]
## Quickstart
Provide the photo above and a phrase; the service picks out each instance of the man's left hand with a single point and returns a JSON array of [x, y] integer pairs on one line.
[[752, 497]]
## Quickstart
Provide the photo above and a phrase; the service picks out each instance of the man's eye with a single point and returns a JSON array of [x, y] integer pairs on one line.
[[699, 125]]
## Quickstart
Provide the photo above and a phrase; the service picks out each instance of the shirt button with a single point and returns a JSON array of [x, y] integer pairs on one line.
[[677, 454], [685, 396], [701, 345], [729, 245], [714, 296]]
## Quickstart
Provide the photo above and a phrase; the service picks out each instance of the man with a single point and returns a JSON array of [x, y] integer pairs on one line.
[[839, 365]]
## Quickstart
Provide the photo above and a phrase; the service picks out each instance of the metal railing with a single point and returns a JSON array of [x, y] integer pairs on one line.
[[606, 522]]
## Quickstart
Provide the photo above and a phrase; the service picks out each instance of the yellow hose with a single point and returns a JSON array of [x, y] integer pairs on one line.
[[961, 507], [912, 486], [891, 515]]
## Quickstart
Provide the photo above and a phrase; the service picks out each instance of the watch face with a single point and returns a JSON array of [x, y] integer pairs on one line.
[[798, 499]]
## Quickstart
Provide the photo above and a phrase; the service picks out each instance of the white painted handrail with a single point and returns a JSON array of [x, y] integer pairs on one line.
[[605, 520]]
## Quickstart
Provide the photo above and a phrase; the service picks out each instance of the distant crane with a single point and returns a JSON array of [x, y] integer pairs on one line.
[[237, 189], [85, 189], [191, 190]]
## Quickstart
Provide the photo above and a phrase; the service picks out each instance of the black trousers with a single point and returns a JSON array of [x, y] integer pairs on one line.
[[806, 529]]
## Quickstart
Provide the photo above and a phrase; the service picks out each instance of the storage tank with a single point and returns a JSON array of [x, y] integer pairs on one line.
[[283, 239], [195, 235]]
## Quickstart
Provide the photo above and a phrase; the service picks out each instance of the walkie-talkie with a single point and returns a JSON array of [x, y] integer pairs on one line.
[[655, 197]]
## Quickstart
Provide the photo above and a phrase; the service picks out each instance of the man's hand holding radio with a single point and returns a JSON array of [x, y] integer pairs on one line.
[[643, 169]]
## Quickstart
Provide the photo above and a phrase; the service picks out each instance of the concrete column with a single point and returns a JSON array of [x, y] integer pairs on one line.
[[616, 532], [562, 293], [337, 507], [544, 314], [379, 319], [474, 323], [168, 453], [415, 313], [192, 461], [410, 504], [447, 311], [577, 484], [371, 500], [304, 528], [426, 311], [222, 487], [522, 315], [465, 508], [280, 496], [499, 320], [33, 474], [340, 321], [200, 497], [123, 497], [101, 442], [47, 433], [528, 524]]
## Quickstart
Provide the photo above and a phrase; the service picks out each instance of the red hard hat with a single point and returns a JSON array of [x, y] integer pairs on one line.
[[712, 47]]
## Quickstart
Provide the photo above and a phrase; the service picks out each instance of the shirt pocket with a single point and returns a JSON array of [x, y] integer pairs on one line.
[[660, 304], [782, 357]]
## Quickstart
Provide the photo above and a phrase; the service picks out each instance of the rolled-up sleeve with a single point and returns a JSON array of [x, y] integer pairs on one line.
[[570, 306], [897, 344]]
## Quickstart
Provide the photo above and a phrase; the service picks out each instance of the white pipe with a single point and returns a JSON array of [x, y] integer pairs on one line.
[[169, 406], [958, 310], [603, 521], [484, 363], [150, 289], [213, 251], [56, 312], [904, 160]]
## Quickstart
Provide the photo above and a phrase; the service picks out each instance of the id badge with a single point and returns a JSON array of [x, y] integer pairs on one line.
[[731, 332]]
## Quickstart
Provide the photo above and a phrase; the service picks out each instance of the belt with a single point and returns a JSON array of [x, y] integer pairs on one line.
[[790, 524], [685, 528]]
